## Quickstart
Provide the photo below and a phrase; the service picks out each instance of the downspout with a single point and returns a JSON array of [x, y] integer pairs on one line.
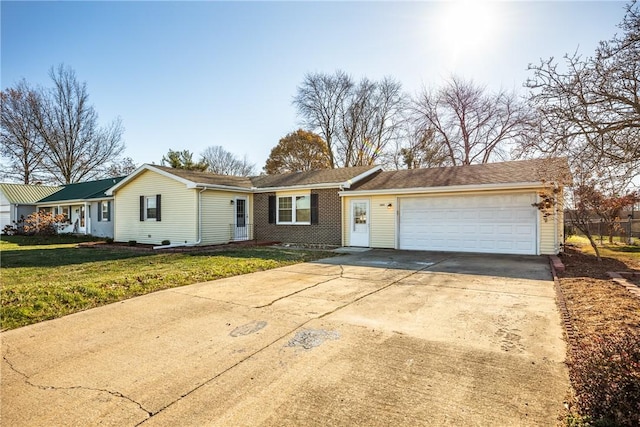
[[197, 242]]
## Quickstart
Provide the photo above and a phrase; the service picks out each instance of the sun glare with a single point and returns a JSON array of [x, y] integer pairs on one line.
[[467, 27]]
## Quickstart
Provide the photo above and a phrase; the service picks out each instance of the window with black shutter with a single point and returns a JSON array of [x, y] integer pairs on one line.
[[272, 209], [314, 208]]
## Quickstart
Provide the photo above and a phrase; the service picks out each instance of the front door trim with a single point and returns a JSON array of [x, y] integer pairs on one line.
[[359, 222]]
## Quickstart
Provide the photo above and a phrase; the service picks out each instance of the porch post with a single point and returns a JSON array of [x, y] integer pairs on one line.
[[87, 218]]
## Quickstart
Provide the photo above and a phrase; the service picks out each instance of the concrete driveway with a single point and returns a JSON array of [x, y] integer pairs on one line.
[[377, 338]]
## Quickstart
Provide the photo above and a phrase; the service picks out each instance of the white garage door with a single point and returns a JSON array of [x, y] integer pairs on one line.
[[490, 223]]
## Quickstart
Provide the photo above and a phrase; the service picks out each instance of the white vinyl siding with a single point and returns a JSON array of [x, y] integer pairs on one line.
[[179, 211], [383, 222], [218, 216]]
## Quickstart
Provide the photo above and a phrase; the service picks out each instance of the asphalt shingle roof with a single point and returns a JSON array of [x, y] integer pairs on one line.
[[208, 177], [83, 190], [26, 194], [321, 176], [553, 169]]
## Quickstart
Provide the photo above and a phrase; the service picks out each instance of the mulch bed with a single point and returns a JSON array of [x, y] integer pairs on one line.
[[597, 305], [149, 248]]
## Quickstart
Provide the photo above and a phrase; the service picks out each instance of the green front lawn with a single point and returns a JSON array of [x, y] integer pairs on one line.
[[48, 278]]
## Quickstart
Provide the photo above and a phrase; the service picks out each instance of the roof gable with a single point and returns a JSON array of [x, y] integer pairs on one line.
[[524, 171], [83, 190], [25, 194], [190, 179]]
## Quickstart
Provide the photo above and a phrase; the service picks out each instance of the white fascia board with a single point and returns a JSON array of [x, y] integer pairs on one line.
[[450, 189], [220, 187], [72, 202], [143, 168], [348, 183]]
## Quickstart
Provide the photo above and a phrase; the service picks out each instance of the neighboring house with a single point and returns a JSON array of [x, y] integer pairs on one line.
[[631, 212], [157, 203], [476, 208], [85, 205], [19, 200]]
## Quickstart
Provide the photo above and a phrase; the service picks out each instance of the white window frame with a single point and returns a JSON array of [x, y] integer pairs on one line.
[[146, 208], [105, 204], [294, 221], [66, 211]]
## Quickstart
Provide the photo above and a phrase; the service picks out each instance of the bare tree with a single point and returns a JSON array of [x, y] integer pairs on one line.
[[319, 100], [472, 125], [298, 151], [21, 143], [75, 147], [371, 120], [222, 162], [121, 167], [359, 121], [589, 107]]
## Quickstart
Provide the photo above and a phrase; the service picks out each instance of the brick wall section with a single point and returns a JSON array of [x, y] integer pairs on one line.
[[327, 231]]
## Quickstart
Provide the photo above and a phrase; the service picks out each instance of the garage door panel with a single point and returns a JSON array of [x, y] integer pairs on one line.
[[496, 223]]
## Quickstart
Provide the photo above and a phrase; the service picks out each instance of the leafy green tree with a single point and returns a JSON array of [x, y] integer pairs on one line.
[[298, 151], [422, 151], [183, 160]]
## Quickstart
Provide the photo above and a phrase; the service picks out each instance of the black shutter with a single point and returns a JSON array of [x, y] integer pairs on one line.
[[158, 210], [272, 209], [141, 208], [99, 211], [314, 208]]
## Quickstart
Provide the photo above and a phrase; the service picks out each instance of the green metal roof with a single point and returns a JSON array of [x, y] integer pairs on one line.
[[83, 190], [26, 194]]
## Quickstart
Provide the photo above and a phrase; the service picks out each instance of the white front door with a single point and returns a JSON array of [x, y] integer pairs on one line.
[[359, 223], [242, 219]]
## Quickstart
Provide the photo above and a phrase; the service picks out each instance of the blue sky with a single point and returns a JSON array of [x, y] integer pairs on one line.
[[189, 75]]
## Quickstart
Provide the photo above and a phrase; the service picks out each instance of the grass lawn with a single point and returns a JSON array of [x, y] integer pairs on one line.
[[45, 278], [625, 253]]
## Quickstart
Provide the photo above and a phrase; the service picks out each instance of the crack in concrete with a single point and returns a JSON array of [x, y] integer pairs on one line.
[[266, 346], [375, 291], [211, 299], [28, 381], [297, 292]]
